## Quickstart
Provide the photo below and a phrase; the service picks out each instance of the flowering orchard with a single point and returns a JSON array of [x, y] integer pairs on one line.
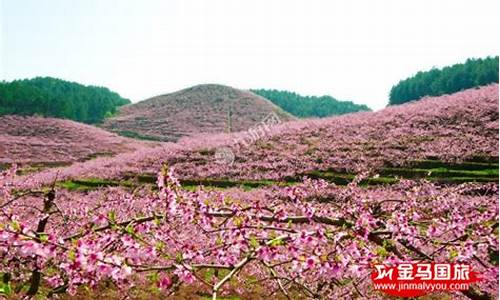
[[450, 128], [310, 240], [48, 140]]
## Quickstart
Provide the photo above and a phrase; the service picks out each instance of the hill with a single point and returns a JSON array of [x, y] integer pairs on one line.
[[430, 136], [450, 129], [52, 97], [448, 80], [310, 106], [50, 141], [199, 109], [124, 220]]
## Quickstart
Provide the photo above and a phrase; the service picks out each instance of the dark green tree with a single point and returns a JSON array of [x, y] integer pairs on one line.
[[58, 98], [451, 79], [309, 106]]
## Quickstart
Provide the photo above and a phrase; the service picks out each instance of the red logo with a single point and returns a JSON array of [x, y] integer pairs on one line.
[[418, 279]]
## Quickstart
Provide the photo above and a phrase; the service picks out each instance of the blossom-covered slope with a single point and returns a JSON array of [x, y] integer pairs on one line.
[[49, 140], [311, 239], [198, 109], [451, 128]]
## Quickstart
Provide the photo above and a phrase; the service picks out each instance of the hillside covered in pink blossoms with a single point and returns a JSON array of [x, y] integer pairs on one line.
[[249, 150], [28, 140], [201, 109], [451, 128], [268, 221]]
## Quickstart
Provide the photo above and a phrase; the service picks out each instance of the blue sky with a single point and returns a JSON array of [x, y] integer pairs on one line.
[[353, 50]]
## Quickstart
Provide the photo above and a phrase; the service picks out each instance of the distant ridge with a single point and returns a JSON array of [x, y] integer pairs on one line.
[[435, 132], [310, 106], [205, 108]]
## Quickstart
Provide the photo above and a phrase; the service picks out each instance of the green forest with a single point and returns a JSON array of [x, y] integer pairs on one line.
[[309, 106], [450, 79], [51, 97]]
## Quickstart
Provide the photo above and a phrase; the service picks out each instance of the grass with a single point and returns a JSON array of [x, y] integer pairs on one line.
[[135, 135], [92, 184], [188, 184], [344, 178], [431, 170], [209, 297], [24, 169], [193, 183], [33, 167], [439, 172]]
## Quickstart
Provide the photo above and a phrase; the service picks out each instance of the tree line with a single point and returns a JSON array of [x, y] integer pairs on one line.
[[309, 106], [435, 82], [52, 97]]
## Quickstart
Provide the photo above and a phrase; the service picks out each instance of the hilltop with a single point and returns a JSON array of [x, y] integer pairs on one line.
[[183, 197], [199, 109], [55, 141]]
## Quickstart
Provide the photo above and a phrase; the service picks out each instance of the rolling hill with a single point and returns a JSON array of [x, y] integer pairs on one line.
[[454, 131], [432, 167], [199, 109], [451, 128], [37, 140]]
